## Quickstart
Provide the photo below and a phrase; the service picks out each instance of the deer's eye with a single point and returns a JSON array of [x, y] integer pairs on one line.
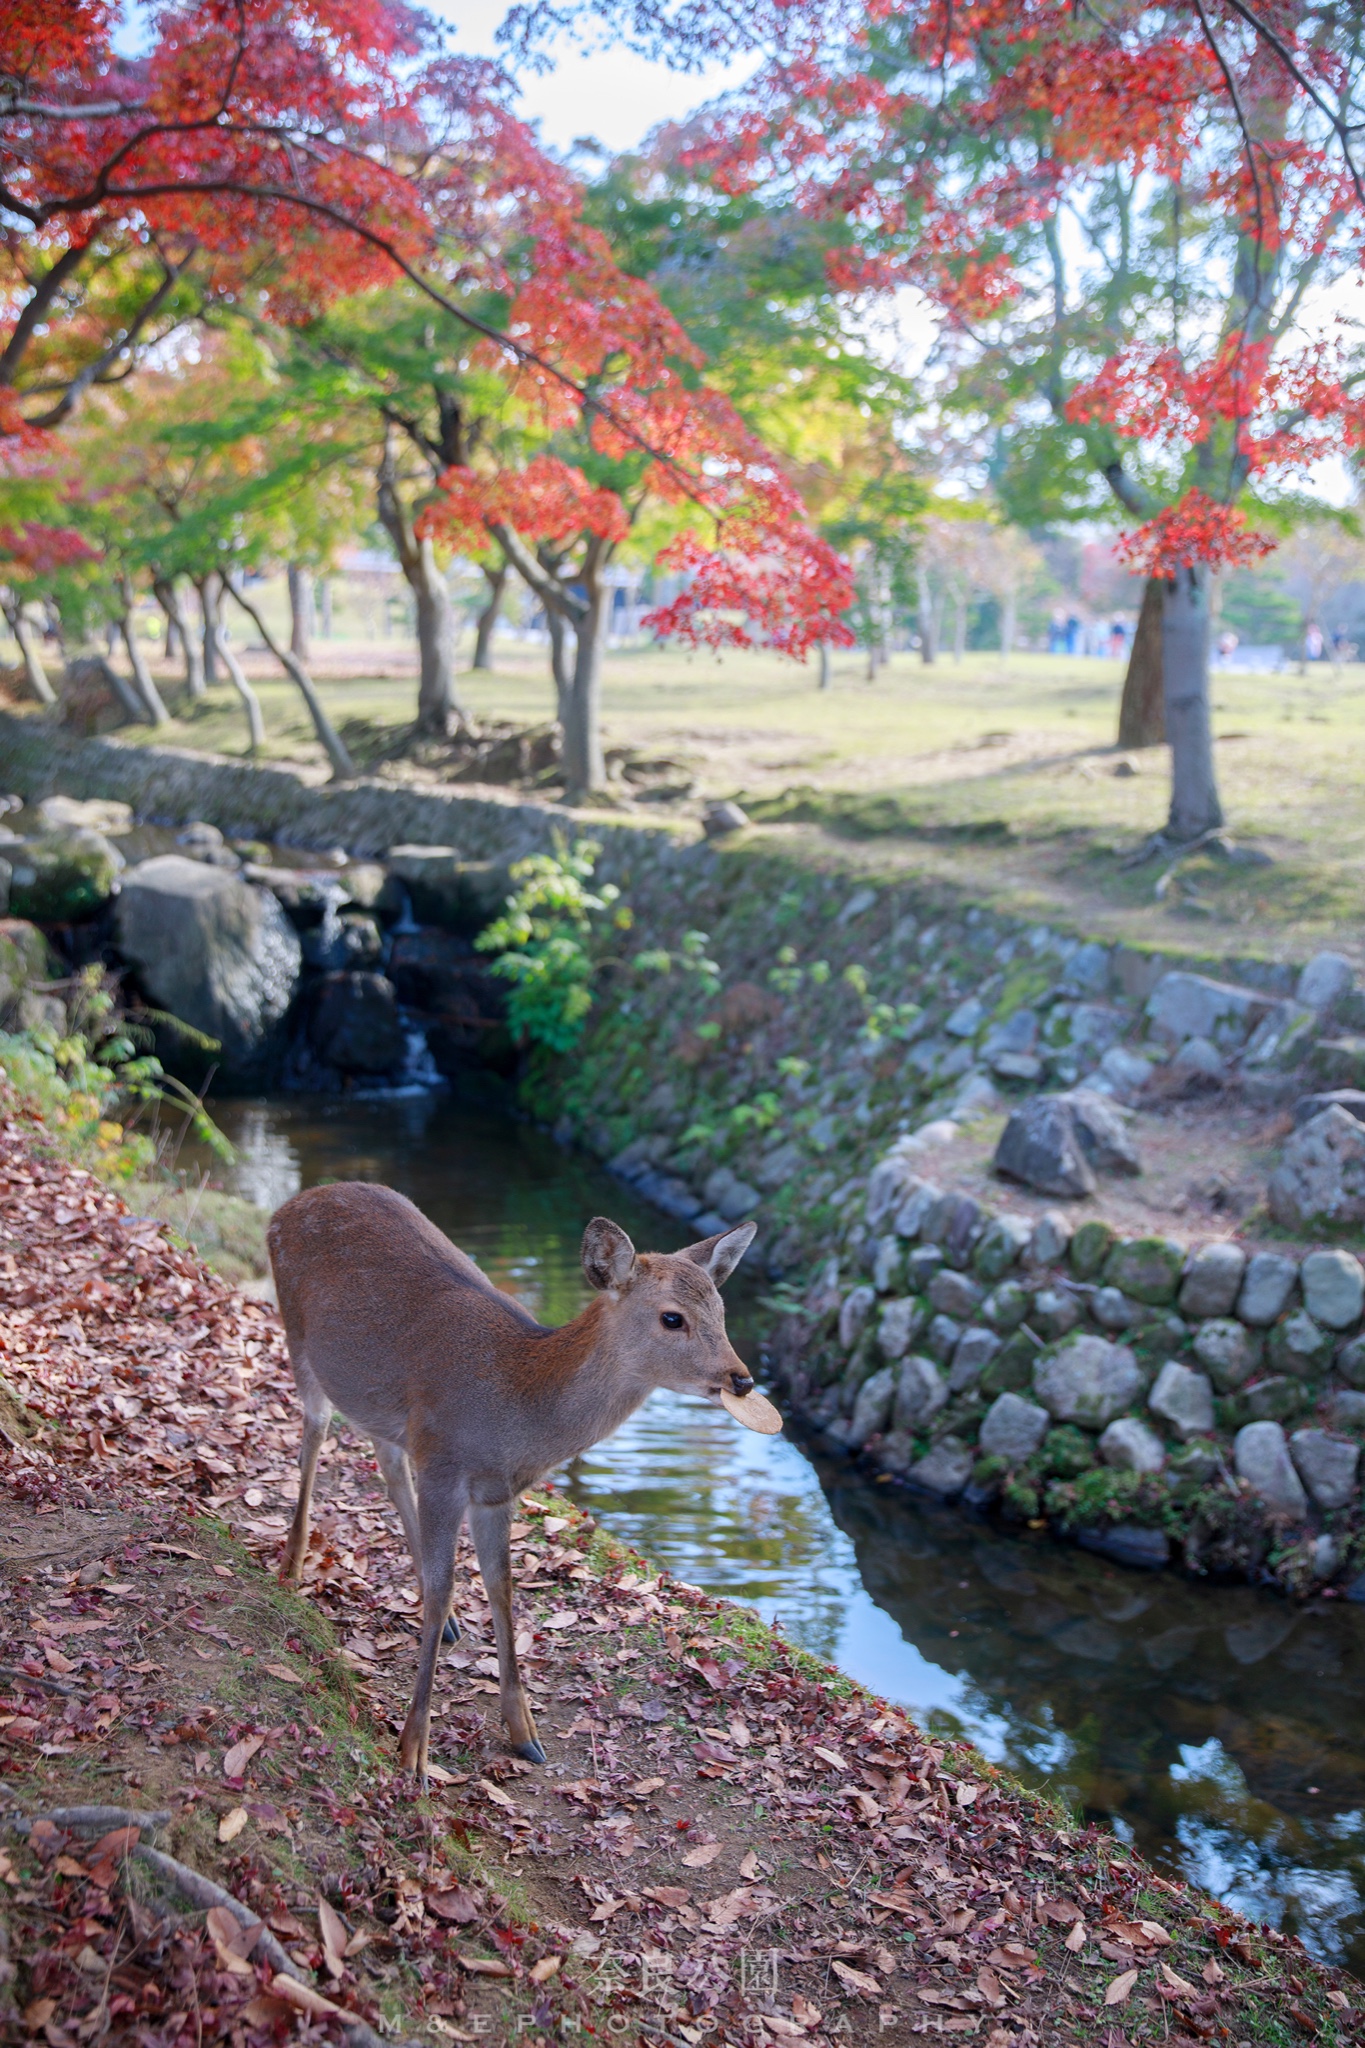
[[671, 1320]]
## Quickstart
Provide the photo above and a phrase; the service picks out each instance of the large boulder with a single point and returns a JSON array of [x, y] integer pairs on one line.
[[355, 1025], [1040, 1146], [1186, 1005], [1324, 981], [944, 1470], [1262, 1459], [1147, 1269], [63, 877], [872, 1407], [214, 952], [1089, 1381], [1321, 1176]]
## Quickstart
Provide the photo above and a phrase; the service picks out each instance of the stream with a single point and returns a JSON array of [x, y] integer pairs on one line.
[[1219, 1730]]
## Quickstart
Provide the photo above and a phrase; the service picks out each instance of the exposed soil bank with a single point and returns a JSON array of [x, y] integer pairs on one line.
[[728, 1845]]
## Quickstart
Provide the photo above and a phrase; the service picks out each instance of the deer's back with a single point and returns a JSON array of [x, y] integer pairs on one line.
[[395, 1321]]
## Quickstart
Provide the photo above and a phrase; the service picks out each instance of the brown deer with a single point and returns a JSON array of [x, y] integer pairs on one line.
[[468, 1398]]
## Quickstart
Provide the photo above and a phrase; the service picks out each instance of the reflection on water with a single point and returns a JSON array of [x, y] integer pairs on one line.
[[1218, 1730]]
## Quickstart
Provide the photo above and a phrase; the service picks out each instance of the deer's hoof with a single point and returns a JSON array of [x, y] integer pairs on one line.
[[532, 1752], [451, 1632]]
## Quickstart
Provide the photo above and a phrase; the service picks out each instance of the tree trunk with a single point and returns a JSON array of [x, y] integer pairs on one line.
[[325, 593], [1142, 709], [168, 597], [34, 673], [488, 617], [823, 651], [300, 611], [959, 626], [1009, 623], [210, 605], [142, 675], [1195, 808], [343, 767], [439, 710], [928, 622], [561, 662], [215, 649], [584, 766]]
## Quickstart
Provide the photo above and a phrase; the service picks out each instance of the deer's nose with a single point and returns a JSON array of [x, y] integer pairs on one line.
[[741, 1383]]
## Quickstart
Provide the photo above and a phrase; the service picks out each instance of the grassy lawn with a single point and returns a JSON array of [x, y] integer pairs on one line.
[[1001, 777]]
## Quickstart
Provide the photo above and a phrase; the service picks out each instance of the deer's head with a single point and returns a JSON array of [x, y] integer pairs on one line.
[[667, 1317]]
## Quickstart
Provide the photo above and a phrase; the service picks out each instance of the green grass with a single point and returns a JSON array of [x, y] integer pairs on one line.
[[999, 778]]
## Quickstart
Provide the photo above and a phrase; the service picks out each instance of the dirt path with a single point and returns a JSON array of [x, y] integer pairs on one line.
[[729, 1844]]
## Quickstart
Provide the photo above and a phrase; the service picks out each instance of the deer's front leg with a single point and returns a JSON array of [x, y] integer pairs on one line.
[[489, 1527], [440, 1509]]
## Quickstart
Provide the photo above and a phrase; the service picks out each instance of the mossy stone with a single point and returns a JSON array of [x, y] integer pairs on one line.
[[1297, 1345], [1011, 1369], [1146, 1268], [1091, 1246], [1277, 1399], [63, 877]]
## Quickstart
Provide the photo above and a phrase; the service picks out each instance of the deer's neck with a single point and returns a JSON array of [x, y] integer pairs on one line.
[[586, 1387]]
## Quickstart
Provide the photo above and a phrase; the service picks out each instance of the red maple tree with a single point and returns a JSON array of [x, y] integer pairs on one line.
[[1201, 149]]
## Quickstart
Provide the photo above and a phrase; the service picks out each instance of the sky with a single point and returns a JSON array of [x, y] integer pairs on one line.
[[610, 95]]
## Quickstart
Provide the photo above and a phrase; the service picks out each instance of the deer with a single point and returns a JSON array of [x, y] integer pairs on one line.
[[468, 1399]]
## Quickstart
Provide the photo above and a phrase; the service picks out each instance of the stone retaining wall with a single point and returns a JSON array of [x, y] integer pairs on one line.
[[1153, 1399]]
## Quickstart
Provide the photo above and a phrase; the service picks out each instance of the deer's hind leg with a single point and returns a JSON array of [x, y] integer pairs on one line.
[[397, 1471], [317, 1415], [490, 1528]]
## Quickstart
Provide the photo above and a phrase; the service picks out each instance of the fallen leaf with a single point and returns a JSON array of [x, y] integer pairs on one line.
[[739, 1734], [283, 1671], [670, 1895], [117, 1844], [1062, 1911], [856, 1980], [644, 1786], [702, 1856], [231, 1825], [547, 1967], [830, 1756], [1155, 1933], [749, 1865], [1213, 1973], [1075, 1941], [1118, 1989], [38, 2012], [335, 1934], [803, 2011], [1176, 1983], [483, 1966], [988, 1984], [564, 1617], [497, 1795], [454, 1904], [1339, 2000], [301, 1995], [240, 1755], [606, 1909], [63, 1666]]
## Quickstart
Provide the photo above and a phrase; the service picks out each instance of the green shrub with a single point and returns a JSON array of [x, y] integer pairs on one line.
[[542, 940]]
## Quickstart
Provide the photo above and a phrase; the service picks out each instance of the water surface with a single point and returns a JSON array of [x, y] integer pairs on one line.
[[1220, 1729]]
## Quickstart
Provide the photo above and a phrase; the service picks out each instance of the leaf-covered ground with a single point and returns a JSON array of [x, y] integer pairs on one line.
[[729, 1843]]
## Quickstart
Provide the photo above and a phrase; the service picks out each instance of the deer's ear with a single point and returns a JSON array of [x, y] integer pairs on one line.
[[719, 1255], [608, 1254]]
